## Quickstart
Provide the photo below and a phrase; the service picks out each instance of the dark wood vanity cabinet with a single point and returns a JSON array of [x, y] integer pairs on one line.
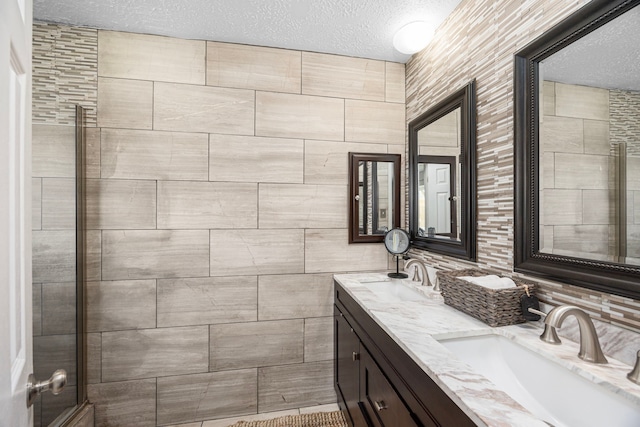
[[377, 383]]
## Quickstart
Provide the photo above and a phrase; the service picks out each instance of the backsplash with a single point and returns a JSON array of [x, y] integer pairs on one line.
[[478, 40], [216, 211]]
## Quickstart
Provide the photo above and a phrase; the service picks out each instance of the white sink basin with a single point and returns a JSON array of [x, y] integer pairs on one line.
[[548, 390], [392, 291]]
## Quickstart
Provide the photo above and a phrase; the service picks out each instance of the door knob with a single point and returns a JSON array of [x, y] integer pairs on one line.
[[55, 384]]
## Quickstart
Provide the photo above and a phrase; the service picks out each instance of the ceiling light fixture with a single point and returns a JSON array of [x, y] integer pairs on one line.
[[413, 37]]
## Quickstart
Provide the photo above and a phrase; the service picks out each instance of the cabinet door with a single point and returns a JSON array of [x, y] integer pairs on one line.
[[347, 348], [380, 400]]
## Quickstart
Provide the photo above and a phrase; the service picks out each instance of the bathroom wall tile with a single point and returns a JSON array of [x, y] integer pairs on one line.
[[328, 250], [582, 171], [561, 207], [633, 241], [36, 203], [92, 153], [55, 352], [124, 403], [205, 396], [37, 309], [125, 103], [582, 102], [299, 116], [59, 308], [596, 137], [548, 98], [562, 134], [154, 254], [255, 159], [120, 305], [54, 256], [295, 296], [378, 122], [302, 206], [318, 339], [587, 239], [58, 203], [253, 67], [148, 353], [294, 386], [599, 207], [93, 255], [210, 300], [342, 76], [394, 82], [327, 162], [194, 205], [189, 108], [146, 57], [255, 344], [154, 155], [633, 173], [53, 406], [94, 358], [120, 204], [242, 252], [443, 133], [548, 171], [53, 151]]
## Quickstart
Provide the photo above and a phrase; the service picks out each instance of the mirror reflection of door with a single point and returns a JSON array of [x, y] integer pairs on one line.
[[437, 196]]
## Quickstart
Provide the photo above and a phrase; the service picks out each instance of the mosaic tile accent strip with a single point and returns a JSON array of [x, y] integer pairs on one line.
[[65, 73], [478, 40], [624, 110]]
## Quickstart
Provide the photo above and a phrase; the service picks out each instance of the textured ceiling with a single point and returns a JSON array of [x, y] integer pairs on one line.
[[362, 28]]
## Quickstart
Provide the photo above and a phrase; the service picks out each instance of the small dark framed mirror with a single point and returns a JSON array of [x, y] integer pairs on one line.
[[374, 196], [442, 176], [577, 151]]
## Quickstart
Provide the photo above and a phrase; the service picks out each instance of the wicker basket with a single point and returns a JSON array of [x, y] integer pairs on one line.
[[495, 307]]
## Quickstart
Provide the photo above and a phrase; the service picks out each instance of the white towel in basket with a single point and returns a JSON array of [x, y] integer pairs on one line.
[[491, 281]]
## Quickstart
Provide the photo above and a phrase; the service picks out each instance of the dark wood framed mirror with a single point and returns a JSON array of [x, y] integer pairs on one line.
[[577, 150], [442, 176], [374, 196]]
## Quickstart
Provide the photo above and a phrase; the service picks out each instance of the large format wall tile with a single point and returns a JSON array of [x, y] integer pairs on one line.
[[582, 102], [59, 308], [37, 309], [299, 116], [36, 203], [207, 396], [92, 152], [328, 250], [119, 305], [189, 108], [93, 255], [94, 358], [379, 122], [585, 239], [342, 76], [303, 206], [295, 296], [154, 155], [58, 204], [145, 57], [54, 151], [54, 256], [154, 254], [255, 159], [581, 171], [125, 103], [55, 352], [596, 137], [202, 301], [598, 206], [194, 205], [146, 353], [253, 67], [242, 252], [255, 344], [561, 207], [294, 386], [318, 339], [124, 403], [327, 162], [562, 134], [395, 82], [120, 204]]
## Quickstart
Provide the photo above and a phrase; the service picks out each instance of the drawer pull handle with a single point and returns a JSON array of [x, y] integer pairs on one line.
[[379, 405], [355, 356]]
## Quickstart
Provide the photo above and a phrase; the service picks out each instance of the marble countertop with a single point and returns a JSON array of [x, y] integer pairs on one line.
[[418, 325]]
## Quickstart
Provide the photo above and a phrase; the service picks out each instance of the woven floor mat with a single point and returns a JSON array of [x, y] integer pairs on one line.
[[318, 419]]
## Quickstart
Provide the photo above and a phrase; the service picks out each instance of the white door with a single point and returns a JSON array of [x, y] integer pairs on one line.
[[439, 195], [15, 211]]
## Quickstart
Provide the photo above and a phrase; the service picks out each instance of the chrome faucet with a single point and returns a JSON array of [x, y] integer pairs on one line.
[[420, 268], [590, 349]]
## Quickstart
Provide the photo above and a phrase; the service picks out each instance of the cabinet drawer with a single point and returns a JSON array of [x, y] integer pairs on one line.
[[381, 401]]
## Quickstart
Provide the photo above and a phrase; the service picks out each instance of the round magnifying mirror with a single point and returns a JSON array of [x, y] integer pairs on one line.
[[397, 243]]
